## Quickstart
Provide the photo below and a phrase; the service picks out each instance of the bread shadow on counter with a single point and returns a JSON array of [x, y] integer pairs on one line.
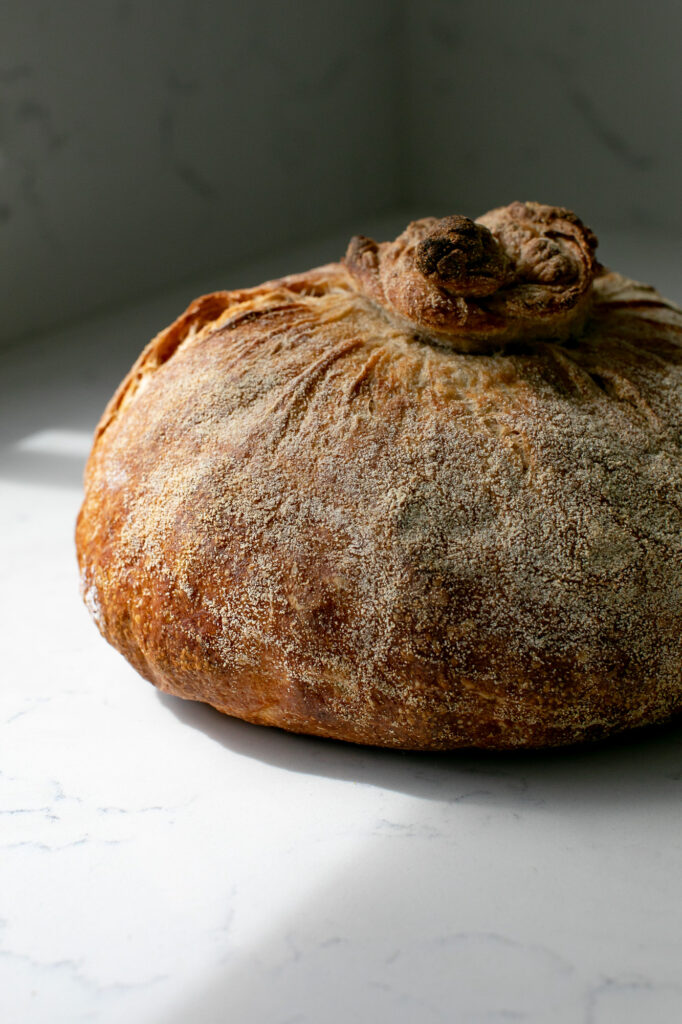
[[641, 765]]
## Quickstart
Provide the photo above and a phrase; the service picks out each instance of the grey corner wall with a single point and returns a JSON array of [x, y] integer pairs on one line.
[[145, 142], [578, 104], [142, 142]]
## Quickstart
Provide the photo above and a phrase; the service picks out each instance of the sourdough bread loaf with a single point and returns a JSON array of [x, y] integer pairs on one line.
[[426, 497]]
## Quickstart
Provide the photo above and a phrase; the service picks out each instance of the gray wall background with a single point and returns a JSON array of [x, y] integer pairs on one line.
[[578, 104], [143, 142]]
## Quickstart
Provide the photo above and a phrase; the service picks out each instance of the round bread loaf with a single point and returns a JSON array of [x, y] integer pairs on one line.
[[428, 497]]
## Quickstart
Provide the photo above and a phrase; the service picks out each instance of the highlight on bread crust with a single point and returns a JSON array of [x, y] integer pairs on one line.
[[429, 497]]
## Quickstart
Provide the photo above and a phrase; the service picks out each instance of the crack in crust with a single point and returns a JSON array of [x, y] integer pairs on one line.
[[519, 271]]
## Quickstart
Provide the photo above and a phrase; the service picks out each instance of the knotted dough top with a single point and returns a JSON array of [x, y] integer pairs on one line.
[[518, 272]]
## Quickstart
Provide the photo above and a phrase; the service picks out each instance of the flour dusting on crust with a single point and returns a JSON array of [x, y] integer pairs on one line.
[[311, 517]]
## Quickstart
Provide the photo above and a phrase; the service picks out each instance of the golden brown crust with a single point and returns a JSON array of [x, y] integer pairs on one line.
[[300, 513]]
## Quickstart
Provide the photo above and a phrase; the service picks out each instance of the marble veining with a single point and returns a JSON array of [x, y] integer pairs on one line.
[[163, 864]]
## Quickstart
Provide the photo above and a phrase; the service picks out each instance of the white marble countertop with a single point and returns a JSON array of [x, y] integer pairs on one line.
[[163, 864]]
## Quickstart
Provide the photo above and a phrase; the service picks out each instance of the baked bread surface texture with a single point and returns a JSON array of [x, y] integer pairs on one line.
[[311, 510]]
